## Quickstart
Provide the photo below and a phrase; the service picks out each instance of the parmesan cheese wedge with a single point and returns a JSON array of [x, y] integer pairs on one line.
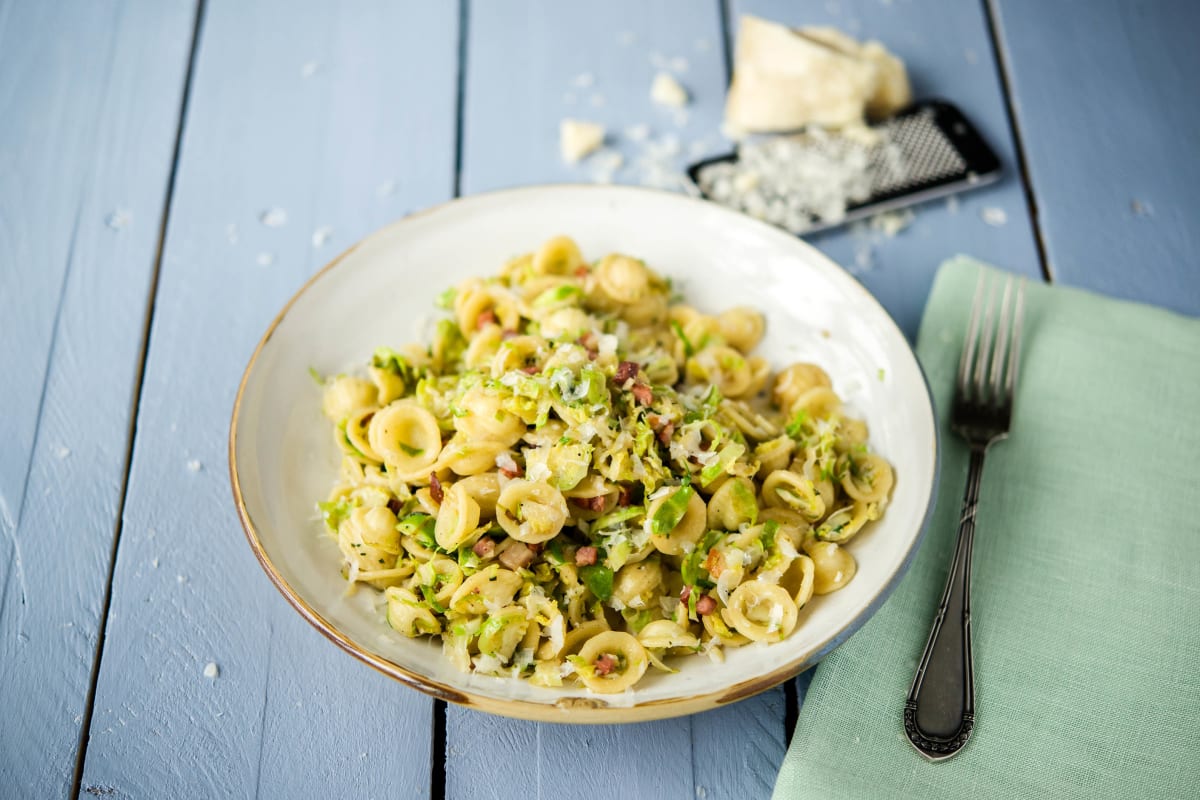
[[578, 139], [785, 79]]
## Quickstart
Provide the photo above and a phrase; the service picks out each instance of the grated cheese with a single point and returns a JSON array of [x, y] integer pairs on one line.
[[797, 182]]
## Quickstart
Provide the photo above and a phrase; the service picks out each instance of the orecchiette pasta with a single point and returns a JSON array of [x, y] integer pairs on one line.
[[579, 478]]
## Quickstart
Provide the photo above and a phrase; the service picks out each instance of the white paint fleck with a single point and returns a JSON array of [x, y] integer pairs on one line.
[[154, 563], [971, 56], [701, 791], [61, 452], [386, 189], [264, 259], [211, 670], [952, 204], [994, 216], [309, 69], [321, 236], [231, 233], [1141, 209], [194, 465], [119, 219], [856, 740], [273, 218], [181, 579], [626, 38], [597, 100], [583, 80]]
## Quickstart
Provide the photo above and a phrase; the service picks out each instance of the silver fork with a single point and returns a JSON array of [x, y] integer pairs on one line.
[[940, 711]]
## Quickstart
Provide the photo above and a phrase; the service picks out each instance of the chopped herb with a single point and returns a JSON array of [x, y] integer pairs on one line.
[[795, 428], [412, 451], [881, 373], [446, 298], [316, 376]]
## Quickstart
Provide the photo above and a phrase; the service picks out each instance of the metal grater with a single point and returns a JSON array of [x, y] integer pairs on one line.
[[929, 150]]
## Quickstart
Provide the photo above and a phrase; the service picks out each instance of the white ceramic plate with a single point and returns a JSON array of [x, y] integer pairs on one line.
[[382, 292]]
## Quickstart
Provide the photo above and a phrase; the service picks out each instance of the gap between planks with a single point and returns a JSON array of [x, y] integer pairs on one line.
[[89, 702], [991, 17], [437, 758]]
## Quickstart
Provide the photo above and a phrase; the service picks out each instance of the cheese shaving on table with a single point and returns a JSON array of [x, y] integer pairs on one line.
[[666, 91], [578, 139]]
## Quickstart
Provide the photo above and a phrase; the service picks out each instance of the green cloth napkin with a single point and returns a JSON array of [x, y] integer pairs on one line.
[[1086, 583]]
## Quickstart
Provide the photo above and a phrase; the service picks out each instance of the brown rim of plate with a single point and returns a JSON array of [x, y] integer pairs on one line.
[[570, 709]]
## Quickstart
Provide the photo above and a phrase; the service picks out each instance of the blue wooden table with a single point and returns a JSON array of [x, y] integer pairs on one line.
[[146, 146]]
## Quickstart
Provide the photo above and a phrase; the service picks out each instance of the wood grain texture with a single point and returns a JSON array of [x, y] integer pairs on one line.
[[528, 66], [337, 116], [90, 94], [949, 55], [1105, 100]]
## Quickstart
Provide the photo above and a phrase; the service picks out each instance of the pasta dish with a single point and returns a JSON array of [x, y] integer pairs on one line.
[[581, 477]]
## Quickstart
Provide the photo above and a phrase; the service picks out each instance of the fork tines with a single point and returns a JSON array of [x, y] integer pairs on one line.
[[987, 370]]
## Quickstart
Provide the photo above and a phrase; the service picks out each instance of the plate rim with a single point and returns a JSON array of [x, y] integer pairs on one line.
[[573, 709]]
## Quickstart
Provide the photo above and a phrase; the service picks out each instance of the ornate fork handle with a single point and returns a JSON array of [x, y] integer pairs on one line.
[[940, 711]]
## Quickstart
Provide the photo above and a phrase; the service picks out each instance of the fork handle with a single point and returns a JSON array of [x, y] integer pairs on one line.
[[940, 711]]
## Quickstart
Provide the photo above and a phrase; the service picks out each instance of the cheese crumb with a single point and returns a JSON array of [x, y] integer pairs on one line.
[[61, 452], [118, 219], [666, 91], [578, 139], [264, 259], [194, 465], [211, 670], [994, 216], [321, 235], [273, 218]]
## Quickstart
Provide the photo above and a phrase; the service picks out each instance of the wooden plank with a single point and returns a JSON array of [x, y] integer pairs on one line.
[[339, 116], [529, 65], [91, 101], [1110, 141], [949, 55]]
